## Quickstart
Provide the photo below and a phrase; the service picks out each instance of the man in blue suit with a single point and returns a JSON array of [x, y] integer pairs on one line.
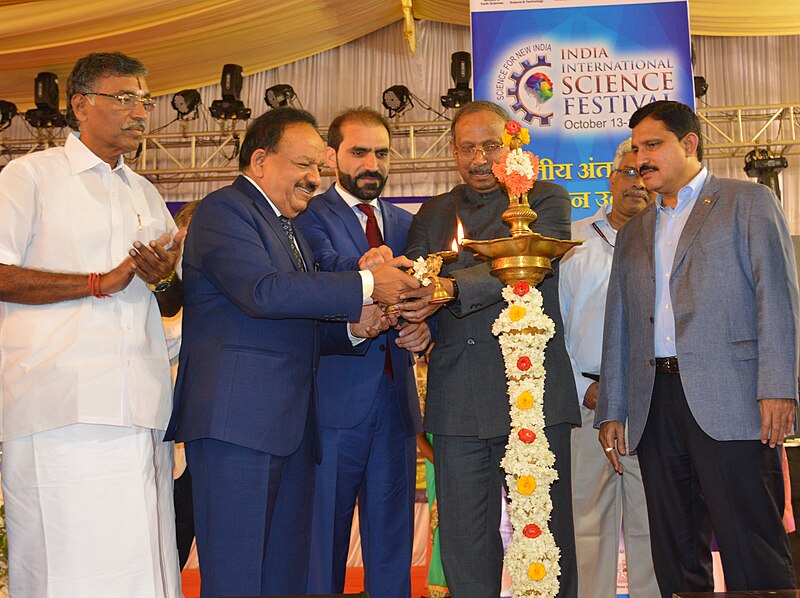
[[368, 404], [700, 355], [245, 399]]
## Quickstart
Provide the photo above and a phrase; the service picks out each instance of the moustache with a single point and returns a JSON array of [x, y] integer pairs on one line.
[[646, 168], [310, 187], [134, 124], [371, 174], [482, 169], [640, 193]]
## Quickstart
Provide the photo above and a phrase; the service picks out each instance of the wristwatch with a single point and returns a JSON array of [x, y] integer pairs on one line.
[[163, 284]]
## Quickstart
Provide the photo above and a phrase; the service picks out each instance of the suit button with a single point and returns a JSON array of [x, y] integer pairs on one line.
[[382, 347], [470, 341], [652, 362], [651, 319]]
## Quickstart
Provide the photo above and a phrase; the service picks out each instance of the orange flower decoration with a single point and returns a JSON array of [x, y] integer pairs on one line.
[[527, 436], [524, 363], [537, 571], [516, 313], [525, 400], [532, 531], [526, 484]]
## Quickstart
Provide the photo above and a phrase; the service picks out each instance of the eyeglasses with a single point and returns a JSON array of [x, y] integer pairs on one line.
[[126, 100], [629, 173], [469, 152]]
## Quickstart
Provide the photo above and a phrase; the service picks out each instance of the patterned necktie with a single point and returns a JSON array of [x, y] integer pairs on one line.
[[375, 239], [289, 230]]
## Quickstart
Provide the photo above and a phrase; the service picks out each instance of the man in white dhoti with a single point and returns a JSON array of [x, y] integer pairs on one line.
[[87, 267]]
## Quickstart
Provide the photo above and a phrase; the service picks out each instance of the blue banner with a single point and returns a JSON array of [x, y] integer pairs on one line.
[[573, 72]]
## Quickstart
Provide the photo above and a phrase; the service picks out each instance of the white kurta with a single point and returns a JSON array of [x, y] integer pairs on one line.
[[85, 387]]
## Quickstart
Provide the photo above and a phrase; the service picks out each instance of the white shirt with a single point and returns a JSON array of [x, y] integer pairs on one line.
[[582, 288], [99, 361]]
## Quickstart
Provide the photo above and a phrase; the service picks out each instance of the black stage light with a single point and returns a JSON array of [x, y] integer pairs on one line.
[[761, 165], [8, 111], [230, 107], [280, 95], [45, 93], [397, 99], [460, 71], [185, 102], [700, 87]]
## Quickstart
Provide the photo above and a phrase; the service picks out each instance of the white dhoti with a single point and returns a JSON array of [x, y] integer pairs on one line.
[[89, 513]]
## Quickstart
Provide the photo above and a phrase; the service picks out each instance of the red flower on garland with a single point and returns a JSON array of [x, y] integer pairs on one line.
[[513, 127], [527, 436], [524, 363], [532, 531], [521, 288]]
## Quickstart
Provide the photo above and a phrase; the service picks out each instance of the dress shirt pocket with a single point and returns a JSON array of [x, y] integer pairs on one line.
[[744, 350]]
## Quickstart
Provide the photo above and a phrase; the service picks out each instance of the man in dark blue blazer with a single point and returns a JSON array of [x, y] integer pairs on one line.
[[245, 400], [368, 404]]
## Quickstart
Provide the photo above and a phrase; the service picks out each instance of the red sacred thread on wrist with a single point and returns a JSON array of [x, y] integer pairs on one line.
[[94, 286]]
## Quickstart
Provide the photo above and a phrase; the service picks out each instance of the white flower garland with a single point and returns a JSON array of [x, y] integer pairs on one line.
[[532, 558], [519, 162]]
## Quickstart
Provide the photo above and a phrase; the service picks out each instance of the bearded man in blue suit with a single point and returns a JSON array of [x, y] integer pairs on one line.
[[256, 316], [369, 409]]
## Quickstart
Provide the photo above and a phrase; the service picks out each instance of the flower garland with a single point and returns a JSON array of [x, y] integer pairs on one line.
[[523, 330]]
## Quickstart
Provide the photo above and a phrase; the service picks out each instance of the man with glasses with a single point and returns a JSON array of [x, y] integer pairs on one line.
[[87, 266], [601, 500], [467, 405]]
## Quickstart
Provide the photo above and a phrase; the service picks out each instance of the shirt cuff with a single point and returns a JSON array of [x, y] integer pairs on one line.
[[367, 287], [354, 340]]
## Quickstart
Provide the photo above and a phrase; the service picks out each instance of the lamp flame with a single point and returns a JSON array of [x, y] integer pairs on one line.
[[459, 236]]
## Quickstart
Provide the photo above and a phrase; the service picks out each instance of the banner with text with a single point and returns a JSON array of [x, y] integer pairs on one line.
[[573, 72]]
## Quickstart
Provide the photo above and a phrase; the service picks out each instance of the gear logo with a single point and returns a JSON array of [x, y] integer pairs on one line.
[[533, 89]]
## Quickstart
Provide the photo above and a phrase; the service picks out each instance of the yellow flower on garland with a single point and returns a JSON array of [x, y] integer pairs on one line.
[[537, 572], [523, 136], [516, 313], [526, 484], [525, 400]]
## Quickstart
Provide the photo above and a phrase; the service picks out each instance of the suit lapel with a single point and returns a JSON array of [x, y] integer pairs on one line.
[[245, 186], [702, 207], [348, 218], [391, 232], [649, 232]]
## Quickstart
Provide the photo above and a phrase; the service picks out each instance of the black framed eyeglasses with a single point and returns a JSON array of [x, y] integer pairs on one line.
[[126, 100], [629, 173]]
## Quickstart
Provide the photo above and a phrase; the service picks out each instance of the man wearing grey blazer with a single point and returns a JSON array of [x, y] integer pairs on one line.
[[467, 407], [700, 354]]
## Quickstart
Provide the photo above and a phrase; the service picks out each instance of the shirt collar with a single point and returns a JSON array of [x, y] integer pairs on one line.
[[688, 194], [261, 191], [81, 158], [352, 201]]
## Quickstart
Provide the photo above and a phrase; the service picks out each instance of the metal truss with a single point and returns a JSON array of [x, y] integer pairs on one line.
[[196, 156], [731, 131], [417, 147]]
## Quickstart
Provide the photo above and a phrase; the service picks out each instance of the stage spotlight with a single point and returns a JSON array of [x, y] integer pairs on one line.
[[700, 87], [397, 99], [280, 95], [761, 165], [230, 107], [46, 114], [7, 112], [185, 102], [460, 71]]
